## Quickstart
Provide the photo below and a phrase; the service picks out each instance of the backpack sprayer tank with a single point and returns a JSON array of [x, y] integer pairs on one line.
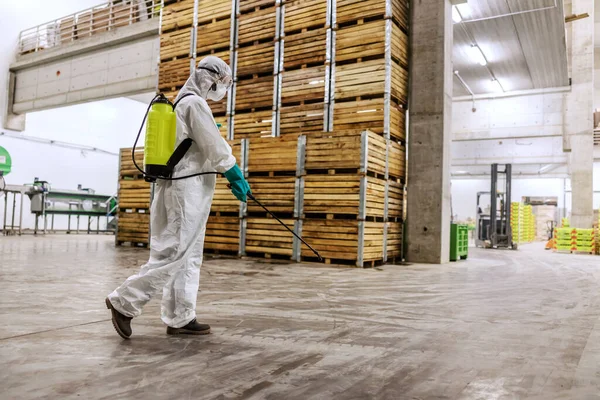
[[160, 138]]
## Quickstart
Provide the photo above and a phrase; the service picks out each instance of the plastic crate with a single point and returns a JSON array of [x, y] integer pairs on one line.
[[459, 242]]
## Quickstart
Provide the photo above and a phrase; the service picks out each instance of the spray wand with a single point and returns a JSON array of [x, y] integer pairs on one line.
[[251, 197]]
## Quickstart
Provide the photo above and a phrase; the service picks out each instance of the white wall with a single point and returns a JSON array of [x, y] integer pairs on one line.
[[108, 125], [464, 192]]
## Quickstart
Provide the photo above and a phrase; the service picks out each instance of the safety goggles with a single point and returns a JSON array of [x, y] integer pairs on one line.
[[223, 80]]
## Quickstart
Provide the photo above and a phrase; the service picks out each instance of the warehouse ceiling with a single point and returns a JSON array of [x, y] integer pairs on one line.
[[522, 41]]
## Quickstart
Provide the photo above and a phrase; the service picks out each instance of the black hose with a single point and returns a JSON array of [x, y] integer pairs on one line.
[[159, 177], [251, 197], [3, 183]]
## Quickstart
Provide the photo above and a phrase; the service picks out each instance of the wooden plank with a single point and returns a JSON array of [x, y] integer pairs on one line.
[[246, 5], [266, 235], [213, 35], [348, 11], [272, 154], [303, 85], [305, 48], [175, 44], [305, 118], [256, 59], [213, 10], [305, 14], [369, 114], [257, 25], [252, 124], [394, 239], [254, 93], [173, 73], [277, 193], [222, 233], [177, 15], [67, 30]]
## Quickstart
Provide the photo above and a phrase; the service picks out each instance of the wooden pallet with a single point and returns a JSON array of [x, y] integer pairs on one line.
[[342, 150], [272, 155], [222, 234], [173, 74], [277, 193], [256, 26], [368, 41], [175, 44], [394, 240], [397, 161], [254, 93], [133, 227], [302, 15], [339, 240], [213, 10], [369, 114], [303, 85], [178, 15], [367, 78], [305, 118], [339, 196], [252, 124], [306, 48], [355, 11], [121, 14], [134, 194], [128, 169], [255, 59], [266, 237], [213, 35], [67, 30]]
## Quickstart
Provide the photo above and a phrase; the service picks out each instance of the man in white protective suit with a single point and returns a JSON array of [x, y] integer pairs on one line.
[[180, 211]]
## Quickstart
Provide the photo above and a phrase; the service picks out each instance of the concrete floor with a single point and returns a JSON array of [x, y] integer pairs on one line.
[[502, 325]]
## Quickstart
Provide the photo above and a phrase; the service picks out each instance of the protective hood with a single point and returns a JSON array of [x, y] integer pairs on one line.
[[202, 78]]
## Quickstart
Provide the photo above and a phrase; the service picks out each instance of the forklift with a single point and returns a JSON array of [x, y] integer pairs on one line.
[[493, 230]]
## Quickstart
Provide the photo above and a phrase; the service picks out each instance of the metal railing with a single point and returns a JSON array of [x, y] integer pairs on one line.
[[91, 21]]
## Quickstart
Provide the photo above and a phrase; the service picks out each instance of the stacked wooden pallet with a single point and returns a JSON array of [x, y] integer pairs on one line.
[[255, 43], [351, 197], [175, 44], [272, 177], [133, 223], [370, 67], [304, 67]]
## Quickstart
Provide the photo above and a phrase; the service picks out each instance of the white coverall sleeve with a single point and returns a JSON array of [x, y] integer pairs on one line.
[[205, 133]]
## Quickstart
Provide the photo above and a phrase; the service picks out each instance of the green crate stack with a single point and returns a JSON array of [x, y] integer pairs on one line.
[[585, 240], [459, 242], [522, 222], [565, 239]]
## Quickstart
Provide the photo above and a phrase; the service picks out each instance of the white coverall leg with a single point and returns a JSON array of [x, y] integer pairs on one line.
[[180, 210]]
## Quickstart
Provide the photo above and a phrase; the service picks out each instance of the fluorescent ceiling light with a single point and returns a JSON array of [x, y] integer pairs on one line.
[[496, 86], [477, 55], [461, 172], [456, 15]]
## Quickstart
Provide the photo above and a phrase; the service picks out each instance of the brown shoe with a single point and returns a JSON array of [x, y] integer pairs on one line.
[[193, 328], [121, 323]]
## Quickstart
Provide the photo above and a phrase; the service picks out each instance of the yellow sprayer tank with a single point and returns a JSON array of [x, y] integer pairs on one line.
[[161, 133]]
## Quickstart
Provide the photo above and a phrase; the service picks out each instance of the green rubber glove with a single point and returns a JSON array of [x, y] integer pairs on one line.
[[239, 186]]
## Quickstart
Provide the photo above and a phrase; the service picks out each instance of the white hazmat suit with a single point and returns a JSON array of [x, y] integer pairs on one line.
[[181, 208]]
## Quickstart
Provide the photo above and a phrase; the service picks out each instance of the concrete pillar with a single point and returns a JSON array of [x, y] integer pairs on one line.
[[430, 120], [579, 120]]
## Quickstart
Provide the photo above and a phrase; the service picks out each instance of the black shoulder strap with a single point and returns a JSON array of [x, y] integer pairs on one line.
[[181, 98]]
